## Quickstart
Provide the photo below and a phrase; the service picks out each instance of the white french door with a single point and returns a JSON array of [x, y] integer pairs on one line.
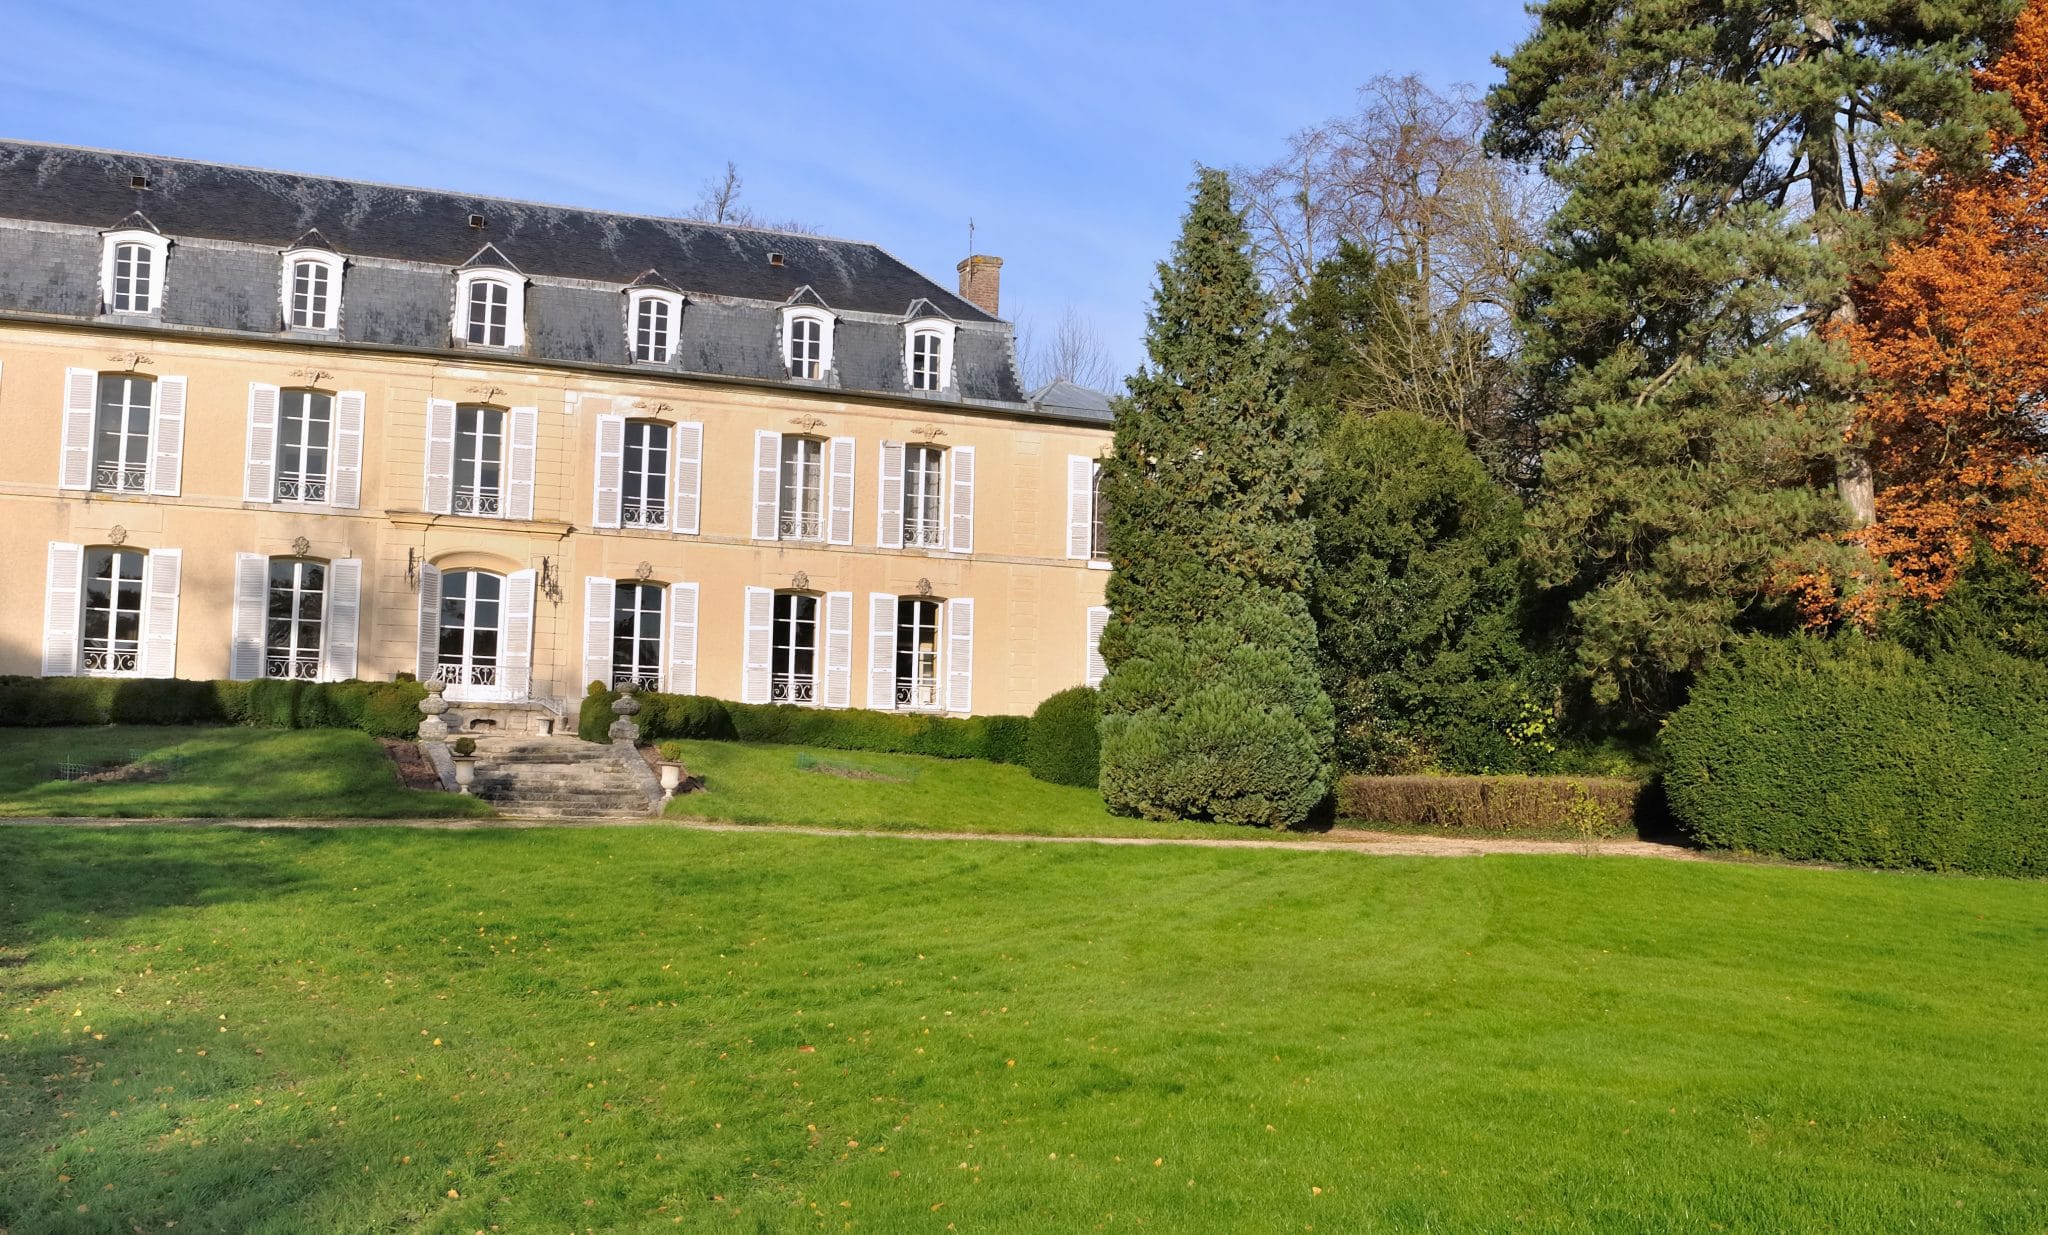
[[472, 637]]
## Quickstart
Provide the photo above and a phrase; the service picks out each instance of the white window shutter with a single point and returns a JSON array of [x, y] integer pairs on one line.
[[430, 622], [960, 463], [81, 391], [167, 437], [259, 463], [344, 618], [682, 639], [345, 461], [881, 651], [960, 655], [440, 497], [767, 487], [838, 650], [517, 659], [840, 529], [611, 463], [1080, 505], [63, 607], [889, 511], [160, 614], [760, 627], [1095, 669], [252, 585], [598, 595], [689, 478], [520, 459]]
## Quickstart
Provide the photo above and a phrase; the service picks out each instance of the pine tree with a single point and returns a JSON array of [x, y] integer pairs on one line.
[[1212, 707], [1725, 168]]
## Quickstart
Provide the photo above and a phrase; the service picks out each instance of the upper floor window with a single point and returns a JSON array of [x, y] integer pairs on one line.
[[312, 290], [1098, 537], [924, 360], [655, 318], [131, 272], [802, 504], [807, 342], [479, 460], [793, 657], [923, 485], [489, 313], [305, 434], [636, 636], [120, 458], [295, 612], [110, 637], [928, 352], [490, 307], [643, 496], [917, 653]]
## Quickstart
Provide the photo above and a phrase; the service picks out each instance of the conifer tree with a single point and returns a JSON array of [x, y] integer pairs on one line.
[[1212, 708], [1725, 167]]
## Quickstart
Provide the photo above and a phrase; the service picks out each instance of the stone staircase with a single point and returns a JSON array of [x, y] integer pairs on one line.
[[563, 778]]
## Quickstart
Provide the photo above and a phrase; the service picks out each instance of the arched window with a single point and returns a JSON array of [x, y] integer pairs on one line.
[[928, 353], [110, 635], [312, 290], [490, 307], [471, 628], [654, 316], [636, 635], [295, 619], [132, 271], [1098, 537], [806, 347]]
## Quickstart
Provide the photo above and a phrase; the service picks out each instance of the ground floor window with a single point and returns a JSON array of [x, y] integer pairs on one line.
[[295, 617], [793, 666], [636, 636], [110, 643], [917, 653], [472, 622]]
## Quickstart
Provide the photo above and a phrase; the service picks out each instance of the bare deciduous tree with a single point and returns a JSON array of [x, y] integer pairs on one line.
[[1075, 353], [719, 202]]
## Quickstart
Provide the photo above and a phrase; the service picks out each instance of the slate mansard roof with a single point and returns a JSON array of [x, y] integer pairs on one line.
[[230, 225]]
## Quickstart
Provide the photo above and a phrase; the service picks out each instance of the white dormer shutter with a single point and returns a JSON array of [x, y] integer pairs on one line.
[[81, 389], [960, 466], [344, 618], [429, 661], [440, 496], [62, 609], [1094, 668], [252, 583], [1080, 505], [881, 651], [840, 528], [767, 482], [160, 614], [345, 461], [524, 436], [889, 511], [598, 595], [838, 650], [682, 639], [167, 438], [518, 652], [760, 627], [611, 464], [689, 478], [259, 463], [960, 655]]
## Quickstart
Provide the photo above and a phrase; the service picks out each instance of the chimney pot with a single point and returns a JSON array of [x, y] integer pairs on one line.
[[981, 282]]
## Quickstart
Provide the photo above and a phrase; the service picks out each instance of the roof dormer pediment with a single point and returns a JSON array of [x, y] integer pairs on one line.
[[489, 258]]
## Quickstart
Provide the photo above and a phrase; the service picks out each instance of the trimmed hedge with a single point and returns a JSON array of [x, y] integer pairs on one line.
[[385, 709], [1066, 744], [1553, 804], [594, 718], [1855, 751], [999, 739]]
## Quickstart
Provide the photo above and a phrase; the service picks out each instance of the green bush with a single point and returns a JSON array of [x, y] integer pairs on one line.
[[1858, 751], [1542, 804], [385, 709], [594, 718], [1000, 739], [700, 717], [1066, 743]]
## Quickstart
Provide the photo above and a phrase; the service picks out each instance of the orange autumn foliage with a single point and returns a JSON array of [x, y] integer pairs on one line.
[[1954, 337]]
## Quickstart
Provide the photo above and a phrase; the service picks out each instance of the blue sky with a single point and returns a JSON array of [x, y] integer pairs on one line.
[[1068, 132]]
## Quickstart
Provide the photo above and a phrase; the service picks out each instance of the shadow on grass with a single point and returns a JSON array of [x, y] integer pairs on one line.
[[58, 883]]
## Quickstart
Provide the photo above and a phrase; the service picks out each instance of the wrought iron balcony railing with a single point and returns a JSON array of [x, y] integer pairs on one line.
[[110, 657], [477, 501], [792, 688], [455, 673], [801, 525], [302, 667], [917, 694], [638, 681], [643, 513], [301, 487], [120, 478], [923, 534]]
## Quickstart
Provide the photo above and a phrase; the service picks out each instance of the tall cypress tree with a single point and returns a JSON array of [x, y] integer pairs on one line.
[[1725, 167], [1212, 708]]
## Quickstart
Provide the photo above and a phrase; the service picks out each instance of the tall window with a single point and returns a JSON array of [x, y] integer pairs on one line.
[[644, 499], [134, 279], [806, 347], [311, 291], [1098, 539], [490, 312], [803, 489], [121, 438], [923, 470], [111, 636], [479, 460], [305, 425], [651, 325], [471, 613], [297, 608], [636, 636], [793, 669], [917, 653], [924, 360]]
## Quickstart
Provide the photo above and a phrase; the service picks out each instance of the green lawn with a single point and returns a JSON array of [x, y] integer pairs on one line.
[[212, 773], [641, 1029]]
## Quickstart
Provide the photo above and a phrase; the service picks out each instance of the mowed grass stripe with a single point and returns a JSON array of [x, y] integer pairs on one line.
[[1002, 1038]]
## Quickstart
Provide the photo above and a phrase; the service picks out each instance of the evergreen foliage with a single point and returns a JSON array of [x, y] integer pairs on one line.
[[1994, 601], [1065, 745], [1212, 708], [1714, 161], [1337, 320]]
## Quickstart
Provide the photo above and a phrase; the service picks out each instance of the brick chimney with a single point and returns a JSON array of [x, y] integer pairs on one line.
[[981, 282]]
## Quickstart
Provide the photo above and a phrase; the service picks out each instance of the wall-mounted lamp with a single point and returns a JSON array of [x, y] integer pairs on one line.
[[550, 583], [412, 568]]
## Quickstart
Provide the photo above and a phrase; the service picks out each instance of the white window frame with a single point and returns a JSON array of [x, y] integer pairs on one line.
[[296, 665], [159, 247], [945, 331], [904, 695], [329, 261], [112, 653], [310, 487], [933, 536], [489, 504], [635, 299], [789, 686], [514, 284], [649, 673], [124, 464], [805, 313], [790, 492], [646, 516]]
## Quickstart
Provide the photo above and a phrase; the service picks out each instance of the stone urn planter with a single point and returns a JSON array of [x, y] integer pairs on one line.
[[625, 707], [463, 753], [671, 778], [432, 727]]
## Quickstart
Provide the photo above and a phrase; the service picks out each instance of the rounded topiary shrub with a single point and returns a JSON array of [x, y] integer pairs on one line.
[[1065, 743], [594, 719]]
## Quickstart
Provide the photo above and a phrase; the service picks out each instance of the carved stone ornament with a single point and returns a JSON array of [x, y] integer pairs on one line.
[[807, 422], [117, 535], [644, 571], [301, 546], [930, 433], [433, 728], [924, 587], [800, 581]]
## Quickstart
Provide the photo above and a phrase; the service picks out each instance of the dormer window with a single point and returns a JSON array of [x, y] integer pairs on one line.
[[490, 302], [312, 290], [132, 272], [807, 338], [490, 312], [928, 353], [653, 318]]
